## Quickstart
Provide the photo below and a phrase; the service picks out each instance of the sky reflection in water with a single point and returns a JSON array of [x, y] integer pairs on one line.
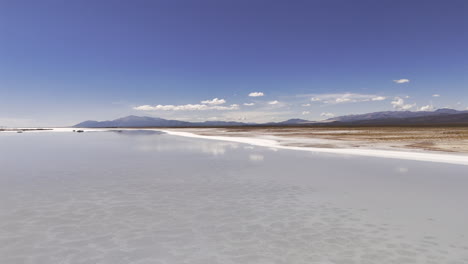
[[138, 197]]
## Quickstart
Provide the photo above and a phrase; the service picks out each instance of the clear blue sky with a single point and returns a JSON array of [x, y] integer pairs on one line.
[[62, 62]]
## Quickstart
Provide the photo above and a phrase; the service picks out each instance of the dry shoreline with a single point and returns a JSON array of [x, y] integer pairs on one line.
[[432, 139]]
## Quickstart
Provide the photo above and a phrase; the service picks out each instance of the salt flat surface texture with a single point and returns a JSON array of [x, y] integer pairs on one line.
[[144, 197]]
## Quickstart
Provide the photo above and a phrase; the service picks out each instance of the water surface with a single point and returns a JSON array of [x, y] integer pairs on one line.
[[143, 197]]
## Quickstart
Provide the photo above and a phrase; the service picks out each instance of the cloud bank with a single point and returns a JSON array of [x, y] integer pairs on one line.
[[338, 98], [187, 107], [213, 104], [214, 101]]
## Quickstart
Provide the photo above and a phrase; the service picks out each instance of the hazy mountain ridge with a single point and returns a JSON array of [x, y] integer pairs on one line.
[[460, 118], [395, 114], [441, 116], [145, 121]]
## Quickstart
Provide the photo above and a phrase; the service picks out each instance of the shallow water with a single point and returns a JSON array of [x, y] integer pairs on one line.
[[142, 197]]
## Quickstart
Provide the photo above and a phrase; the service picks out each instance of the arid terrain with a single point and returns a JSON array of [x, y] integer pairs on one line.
[[441, 139]]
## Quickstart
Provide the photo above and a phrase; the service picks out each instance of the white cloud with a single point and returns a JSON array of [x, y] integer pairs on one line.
[[187, 107], [379, 98], [342, 100], [315, 99], [426, 108], [348, 98], [256, 94], [305, 112], [213, 104], [436, 95], [306, 105], [273, 102], [399, 104], [327, 114], [399, 81], [249, 104], [214, 101]]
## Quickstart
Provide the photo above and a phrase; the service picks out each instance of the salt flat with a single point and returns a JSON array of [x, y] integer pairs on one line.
[[319, 145], [436, 139], [148, 197]]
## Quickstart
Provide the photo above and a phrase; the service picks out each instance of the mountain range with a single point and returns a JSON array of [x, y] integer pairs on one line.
[[440, 116], [395, 114], [145, 121]]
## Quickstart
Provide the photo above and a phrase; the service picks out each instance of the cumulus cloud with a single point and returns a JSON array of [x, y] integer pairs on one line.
[[273, 102], [436, 95], [249, 104], [399, 104], [315, 99], [399, 81], [426, 108], [327, 114], [187, 107], [305, 112], [379, 98], [214, 101], [305, 104], [256, 94]]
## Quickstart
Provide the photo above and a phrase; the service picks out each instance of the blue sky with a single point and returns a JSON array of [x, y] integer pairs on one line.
[[62, 62]]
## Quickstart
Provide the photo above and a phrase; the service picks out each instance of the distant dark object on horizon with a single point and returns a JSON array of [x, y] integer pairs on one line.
[[438, 117]]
